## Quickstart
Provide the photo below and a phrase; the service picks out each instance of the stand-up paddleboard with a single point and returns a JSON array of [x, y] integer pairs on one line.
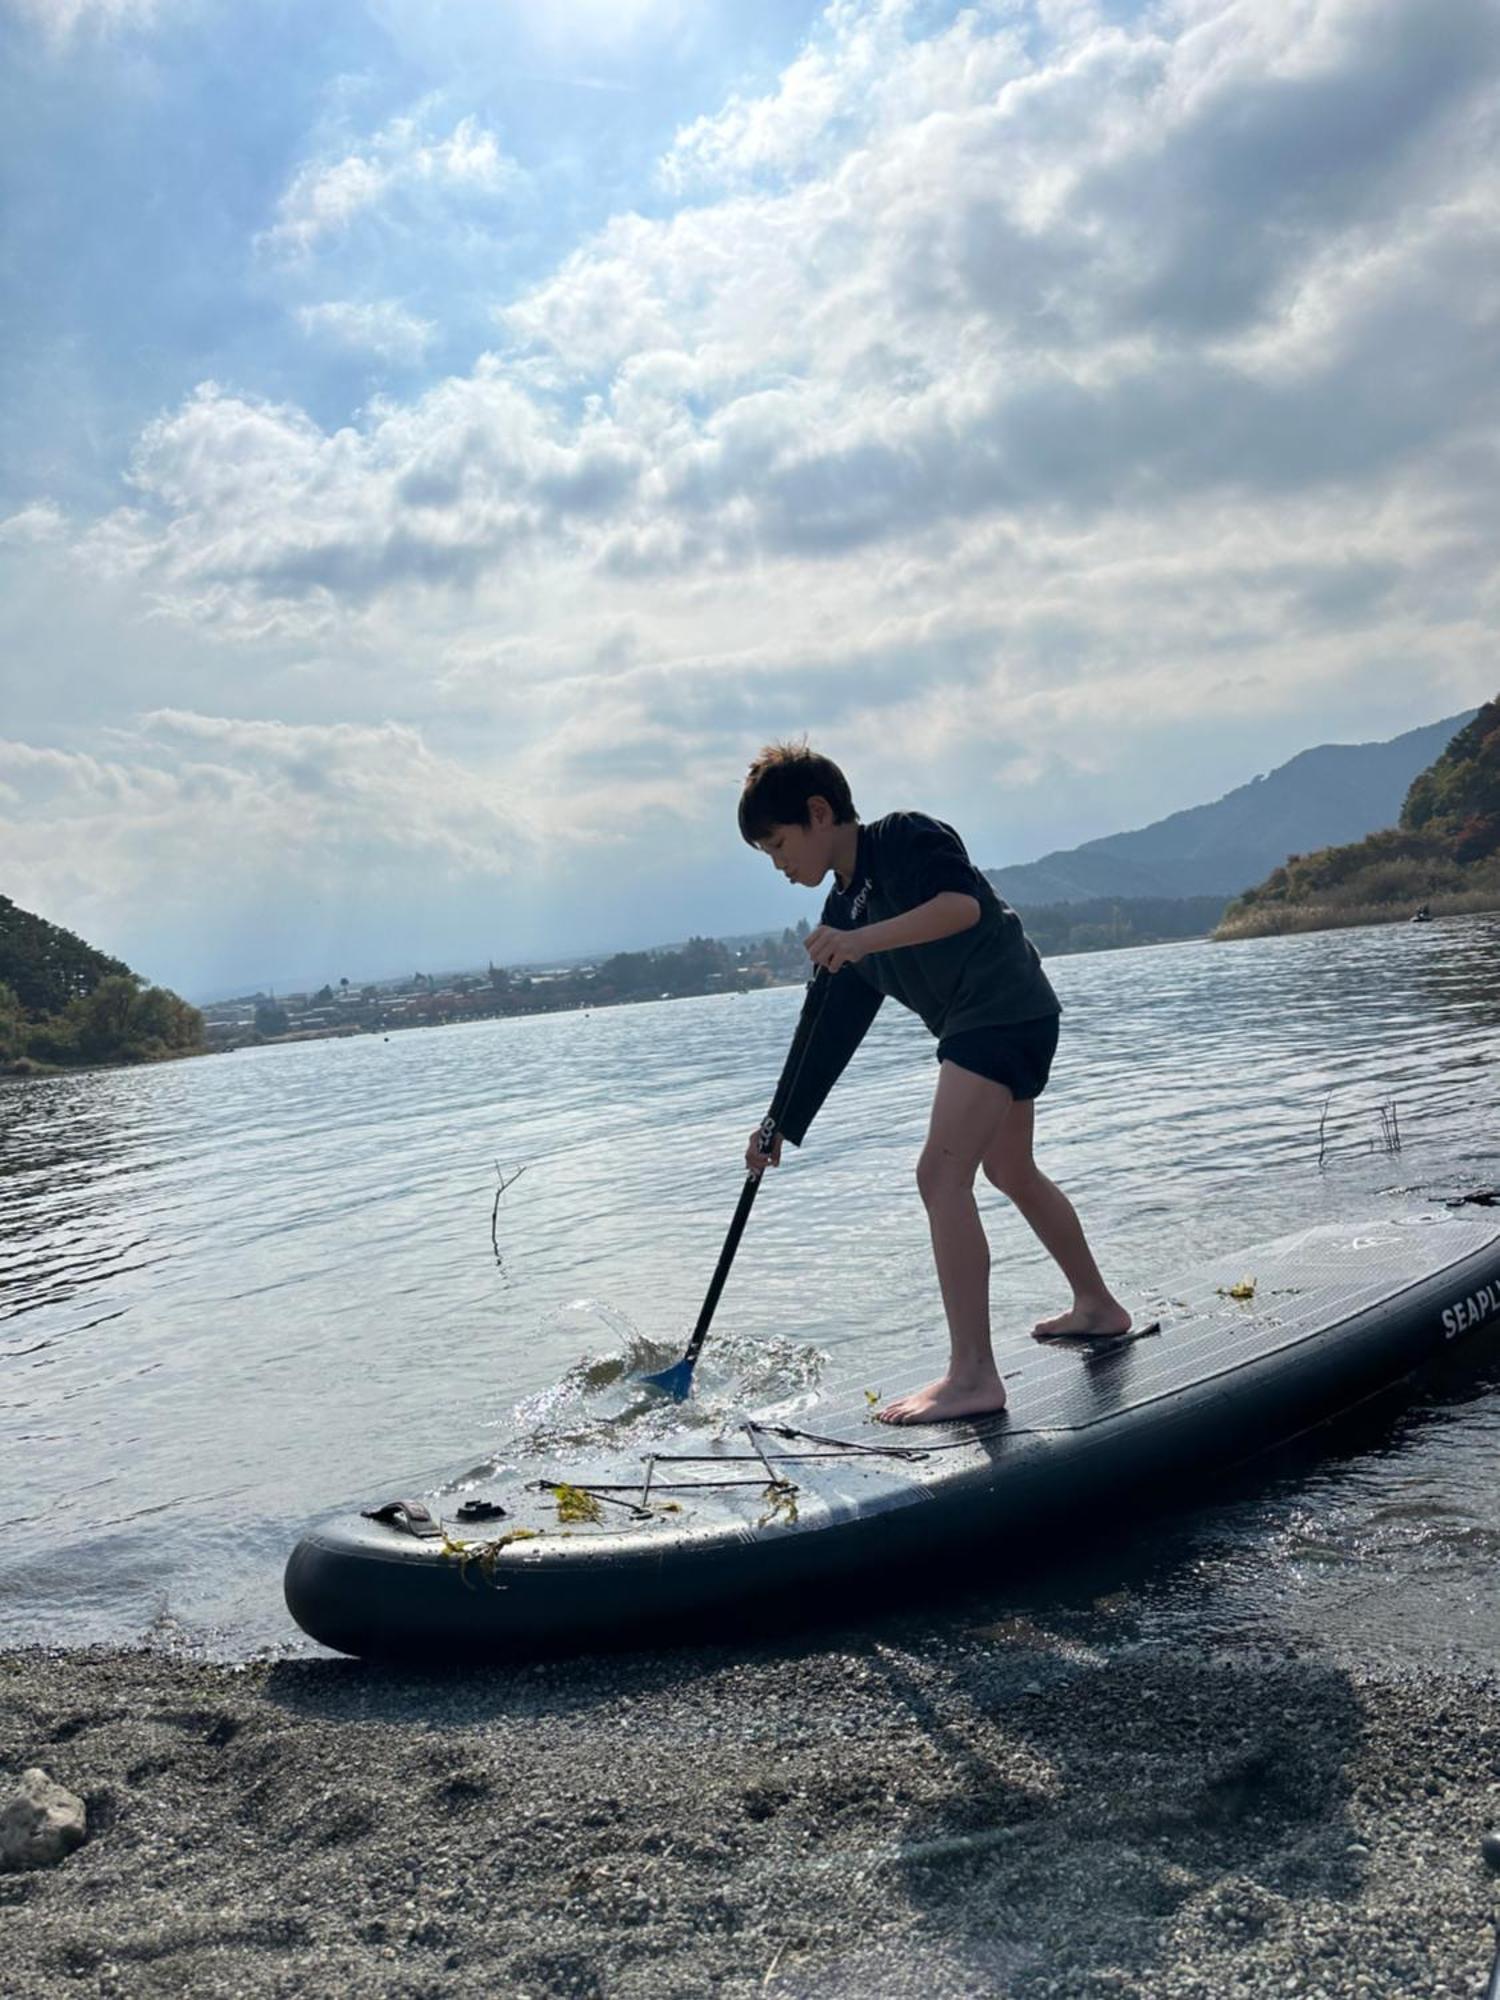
[[633, 1548]]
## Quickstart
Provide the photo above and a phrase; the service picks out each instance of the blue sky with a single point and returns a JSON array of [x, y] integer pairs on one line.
[[445, 439], [149, 151]]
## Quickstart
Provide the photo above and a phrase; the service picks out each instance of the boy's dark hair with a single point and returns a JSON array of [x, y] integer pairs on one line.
[[781, 781]]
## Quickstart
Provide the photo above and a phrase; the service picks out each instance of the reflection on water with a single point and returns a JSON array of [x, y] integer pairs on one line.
[[244, 1291]]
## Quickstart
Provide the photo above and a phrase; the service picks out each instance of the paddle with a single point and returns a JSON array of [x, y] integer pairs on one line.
[[677, 1381]]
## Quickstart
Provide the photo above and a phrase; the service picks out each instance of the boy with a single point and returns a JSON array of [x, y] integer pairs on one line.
[[910, 916]]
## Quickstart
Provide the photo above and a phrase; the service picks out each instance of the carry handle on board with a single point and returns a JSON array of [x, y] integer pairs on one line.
[[677, 1380]]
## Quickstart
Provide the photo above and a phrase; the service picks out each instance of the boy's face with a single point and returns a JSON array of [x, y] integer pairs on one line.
[[804, 854]]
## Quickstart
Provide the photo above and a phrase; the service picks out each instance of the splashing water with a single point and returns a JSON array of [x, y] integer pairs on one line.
[[601, 1403]]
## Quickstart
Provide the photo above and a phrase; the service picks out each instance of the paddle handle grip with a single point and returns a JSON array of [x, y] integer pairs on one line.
[[765, 1139]]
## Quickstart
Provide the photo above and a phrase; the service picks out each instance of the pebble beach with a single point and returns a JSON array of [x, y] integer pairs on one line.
[[934, 1805]]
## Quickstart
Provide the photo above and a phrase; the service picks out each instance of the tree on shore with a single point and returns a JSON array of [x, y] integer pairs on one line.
[[121, 1020], [62, 1002], [46, 966], [1458, 797], [12, 1025]]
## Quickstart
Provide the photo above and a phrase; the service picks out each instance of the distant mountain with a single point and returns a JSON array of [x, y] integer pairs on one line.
[[1322, 798]]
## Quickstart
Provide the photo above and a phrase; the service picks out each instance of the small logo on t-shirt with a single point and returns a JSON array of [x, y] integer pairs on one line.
[[857, 903]]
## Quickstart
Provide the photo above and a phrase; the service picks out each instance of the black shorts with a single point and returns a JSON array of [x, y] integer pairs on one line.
[[1018, 1055]]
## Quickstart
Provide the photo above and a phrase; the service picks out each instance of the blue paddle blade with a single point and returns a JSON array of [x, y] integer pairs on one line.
[[676, 1381]]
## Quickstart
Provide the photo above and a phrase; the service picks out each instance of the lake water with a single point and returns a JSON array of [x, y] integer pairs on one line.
[[243, 1292]]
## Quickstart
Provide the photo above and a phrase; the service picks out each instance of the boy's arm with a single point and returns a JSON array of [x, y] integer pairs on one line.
[[849, 1007], [943, 915]]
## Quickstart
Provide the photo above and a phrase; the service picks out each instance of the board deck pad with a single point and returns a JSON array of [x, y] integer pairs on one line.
[[1304, 1285], [1322, 1278]]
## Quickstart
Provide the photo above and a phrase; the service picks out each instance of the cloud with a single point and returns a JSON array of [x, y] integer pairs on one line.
[[987, 281], [379, 327], [321, 790], [327, 195], [868, 71], [1221, 252], [239, 492], [1268, 157], [61, 20], [824, 93], [190, 814], [1000, 400], [40, 522]]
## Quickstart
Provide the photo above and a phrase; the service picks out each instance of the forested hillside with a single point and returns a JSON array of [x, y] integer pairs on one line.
[[1443, 855], [64, 1003]]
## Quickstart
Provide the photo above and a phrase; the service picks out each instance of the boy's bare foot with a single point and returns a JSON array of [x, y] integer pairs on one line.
[[1097, 1318], [939, 1400]]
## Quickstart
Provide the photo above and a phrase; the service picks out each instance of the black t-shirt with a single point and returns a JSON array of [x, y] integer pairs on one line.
[[988, 976]]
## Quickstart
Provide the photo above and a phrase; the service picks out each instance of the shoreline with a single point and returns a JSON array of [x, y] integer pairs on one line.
[[935, 1806], [27, 1069], [1304, 919]]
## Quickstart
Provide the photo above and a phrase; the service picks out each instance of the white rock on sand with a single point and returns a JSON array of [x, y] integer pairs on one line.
[[40, 1822]]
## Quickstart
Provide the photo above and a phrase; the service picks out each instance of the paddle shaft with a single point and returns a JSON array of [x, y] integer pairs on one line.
[[790, 1075], [721, 1271]]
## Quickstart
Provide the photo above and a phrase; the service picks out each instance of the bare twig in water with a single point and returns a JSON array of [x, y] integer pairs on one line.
[[495, 1211], [1390, 1127], [1389, 1140]]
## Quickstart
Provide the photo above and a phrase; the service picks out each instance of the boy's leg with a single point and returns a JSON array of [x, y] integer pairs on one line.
[[1009, 1166], [968, 1113]]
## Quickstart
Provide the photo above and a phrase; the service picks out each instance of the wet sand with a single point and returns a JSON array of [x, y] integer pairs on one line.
[[933, 1806]]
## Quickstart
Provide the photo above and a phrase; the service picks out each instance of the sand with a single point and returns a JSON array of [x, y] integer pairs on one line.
[[933, 1806]]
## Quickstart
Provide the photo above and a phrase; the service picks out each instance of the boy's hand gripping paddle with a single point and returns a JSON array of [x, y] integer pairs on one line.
[[677, 1381]]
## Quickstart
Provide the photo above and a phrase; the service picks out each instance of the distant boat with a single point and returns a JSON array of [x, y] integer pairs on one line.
[[1422, 916]]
